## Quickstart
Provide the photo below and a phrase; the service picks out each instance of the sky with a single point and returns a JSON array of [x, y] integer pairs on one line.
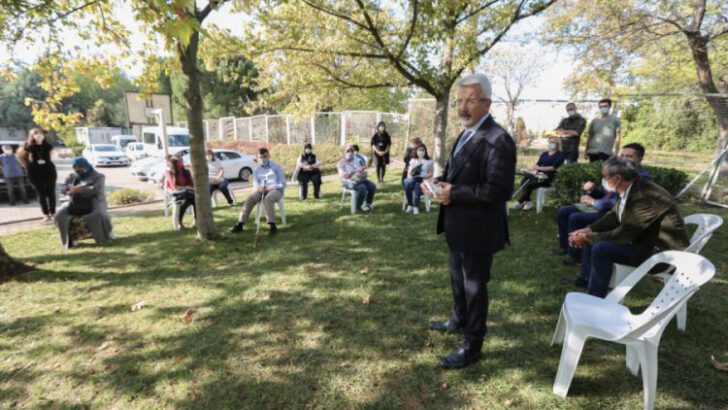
[[548, 86]]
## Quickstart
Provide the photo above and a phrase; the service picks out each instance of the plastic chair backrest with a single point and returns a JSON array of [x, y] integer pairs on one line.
[[690, 272], [707, 224]]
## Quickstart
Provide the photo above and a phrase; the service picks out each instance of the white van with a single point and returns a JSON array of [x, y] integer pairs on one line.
[[179, 139], [121, 141]]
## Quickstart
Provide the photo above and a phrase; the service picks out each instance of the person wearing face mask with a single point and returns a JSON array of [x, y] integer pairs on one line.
[[541, 175], [179, 183], [570, 130], [308, 170], [41, 171], [87, 202], [381, 142], [13, 174], [269, 181], [353, 176], [604, 134], [645, 220], [216, 174], [409, 153], [419, 169]]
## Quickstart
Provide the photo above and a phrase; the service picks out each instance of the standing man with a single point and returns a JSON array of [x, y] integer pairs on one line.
[[604, 134], [269, 181], [477, 181], [570, 130]]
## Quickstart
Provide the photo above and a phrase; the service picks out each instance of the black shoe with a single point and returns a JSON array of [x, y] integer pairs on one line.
[[558, 252], [460, 358], [273, 229], [570, 261], [576, 281], [444, 327], [237, 228]]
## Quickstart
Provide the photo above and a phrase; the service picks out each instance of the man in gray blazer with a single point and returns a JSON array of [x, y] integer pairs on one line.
[[477, 182]]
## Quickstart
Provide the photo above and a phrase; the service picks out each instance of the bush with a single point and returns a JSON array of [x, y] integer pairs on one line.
[[571, 178], [129, 196]]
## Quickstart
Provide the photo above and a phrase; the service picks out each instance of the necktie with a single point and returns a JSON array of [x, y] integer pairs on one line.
[[463, 140]]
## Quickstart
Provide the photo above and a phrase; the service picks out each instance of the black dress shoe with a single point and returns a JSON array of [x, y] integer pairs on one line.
[[570, 261], [237, 228], [460, 358], [444, 327], [273, 229], [576, 281], [558, 252]]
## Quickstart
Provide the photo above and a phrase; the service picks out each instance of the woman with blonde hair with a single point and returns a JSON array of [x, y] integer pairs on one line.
[[41, 171]]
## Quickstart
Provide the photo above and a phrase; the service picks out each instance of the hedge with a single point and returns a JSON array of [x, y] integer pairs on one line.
[[571, 177]]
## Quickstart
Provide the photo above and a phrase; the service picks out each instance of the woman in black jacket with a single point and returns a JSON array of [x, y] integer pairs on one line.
[[308, 170], [381, 142], [41, 170]]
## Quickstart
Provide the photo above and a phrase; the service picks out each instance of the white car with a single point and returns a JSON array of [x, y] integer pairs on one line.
[[105, 154], [235, 165], [135, 151], [142, 168]]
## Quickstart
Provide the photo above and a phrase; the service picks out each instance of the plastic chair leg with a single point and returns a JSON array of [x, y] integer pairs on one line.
[[560, 331], [570, 354], [353, 202], [682, 318], [633, 360], [175, 217], [428, 203], [282, 209], [648, 363], [540, 199]]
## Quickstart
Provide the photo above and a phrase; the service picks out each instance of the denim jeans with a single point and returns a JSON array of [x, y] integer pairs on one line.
[[413, 191], [364, 192], [597, 262], [569, 219]]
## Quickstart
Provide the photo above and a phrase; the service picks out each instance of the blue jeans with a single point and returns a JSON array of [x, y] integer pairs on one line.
[[413, 191], [597, 261], [364, 192], [223, 187], [570, 218]]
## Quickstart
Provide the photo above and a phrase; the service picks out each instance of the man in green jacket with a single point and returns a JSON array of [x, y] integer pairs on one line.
[[644, 220]]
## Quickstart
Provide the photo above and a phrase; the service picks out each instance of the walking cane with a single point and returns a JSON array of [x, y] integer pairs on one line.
[[257, 221]]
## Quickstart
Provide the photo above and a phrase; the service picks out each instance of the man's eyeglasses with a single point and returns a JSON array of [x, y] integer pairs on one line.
[[603, 106], [469, 102]]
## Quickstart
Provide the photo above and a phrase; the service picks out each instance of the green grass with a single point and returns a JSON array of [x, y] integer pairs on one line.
[[286, 325]]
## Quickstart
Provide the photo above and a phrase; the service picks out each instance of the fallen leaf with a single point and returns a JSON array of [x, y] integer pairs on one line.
[[57, 309], [104, 345], [509, 402], [180, 357], [367, 299], [109, 368], [718, 365], [90, 371], [137, 306], [265, 297], [346, 364], [188, 315], [365, 270], [445, 386]]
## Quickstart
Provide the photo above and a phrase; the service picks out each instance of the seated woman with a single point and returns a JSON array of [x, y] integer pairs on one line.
[[86, 211], [420, 169], [178, 182], [542, 174], [308, 170], [217, 177], [353, 176]]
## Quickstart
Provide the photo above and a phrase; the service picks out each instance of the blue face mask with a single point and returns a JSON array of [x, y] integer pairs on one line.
[[265, 162]]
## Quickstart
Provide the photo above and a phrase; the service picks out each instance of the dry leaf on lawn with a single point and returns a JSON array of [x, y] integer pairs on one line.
[[137, 306], [367, 299], [718, 365], [188, 315], [104, 345]]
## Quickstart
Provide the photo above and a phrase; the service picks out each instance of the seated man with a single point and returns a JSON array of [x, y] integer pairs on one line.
[[645, 220], [269, 181], [592, 206], [353, 175]]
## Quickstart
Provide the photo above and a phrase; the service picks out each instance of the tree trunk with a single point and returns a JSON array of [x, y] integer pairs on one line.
[[9, 266], [699, 49], [439, 152], [194, 107], [510, 117]]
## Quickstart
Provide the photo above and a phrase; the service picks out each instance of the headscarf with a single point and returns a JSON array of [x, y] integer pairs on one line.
[[308, 158], [82, 163]]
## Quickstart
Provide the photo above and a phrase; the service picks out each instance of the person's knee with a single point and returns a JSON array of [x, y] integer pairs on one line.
[[601, 250]]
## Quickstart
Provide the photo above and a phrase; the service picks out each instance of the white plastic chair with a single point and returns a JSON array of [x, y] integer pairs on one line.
[[281, 209], [706, 226], [352, 193], [169, 203], [541, 198], [584, 316], [427, 199]]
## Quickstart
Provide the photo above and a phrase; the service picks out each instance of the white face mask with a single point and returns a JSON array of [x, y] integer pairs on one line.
[[421, 153], [39, 138], [307, 151], [349, 155], [604, 110], [381, 129], [571, 113], [552, 146], [605, 185], [7, 150]]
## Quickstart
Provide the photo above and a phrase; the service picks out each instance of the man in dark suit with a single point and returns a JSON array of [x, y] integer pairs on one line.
[[644, 220], [477, 181]]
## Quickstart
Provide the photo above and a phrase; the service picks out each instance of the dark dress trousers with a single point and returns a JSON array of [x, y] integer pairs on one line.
[[475, 221]]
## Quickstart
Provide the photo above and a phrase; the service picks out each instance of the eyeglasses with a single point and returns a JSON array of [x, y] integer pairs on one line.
[[469, 102], [603, 106], [349, 150]]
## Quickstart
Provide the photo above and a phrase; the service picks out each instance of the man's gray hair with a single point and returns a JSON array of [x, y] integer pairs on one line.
[[620, 166], [479, 79]]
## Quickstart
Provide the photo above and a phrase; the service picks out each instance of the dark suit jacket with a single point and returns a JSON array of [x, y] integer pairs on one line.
[[482, 176], [650, 220]]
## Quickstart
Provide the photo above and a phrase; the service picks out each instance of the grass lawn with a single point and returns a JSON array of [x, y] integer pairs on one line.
[[330, 314]]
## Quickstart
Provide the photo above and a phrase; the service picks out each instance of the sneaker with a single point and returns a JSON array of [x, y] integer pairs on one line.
[[570, 261], [415, 211], [366, 208], [237, 228], [516, 206], [528, 206], [408, 209]]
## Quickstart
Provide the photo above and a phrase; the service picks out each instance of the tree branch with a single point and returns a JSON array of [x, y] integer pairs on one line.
[[413, 25], [334, 14], [350, 84], [71, 11], [474, 12]]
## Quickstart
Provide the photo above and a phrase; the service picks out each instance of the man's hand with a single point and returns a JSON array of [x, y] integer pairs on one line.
[[586, 199], [577, 239], [589, 186], [426, 190], [443, 196], [75, 190], [261, 189]]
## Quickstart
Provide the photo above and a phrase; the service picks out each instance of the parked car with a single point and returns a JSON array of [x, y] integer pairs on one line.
[[30, 191], [105, 154], [135, 151], [234, 164], [142, 167]]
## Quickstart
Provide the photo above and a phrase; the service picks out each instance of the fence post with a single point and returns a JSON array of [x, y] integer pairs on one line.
[[250, 128], [288, 130], [267, 138], [313, 129], [220, 130], [342, 138], [235, 129]]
